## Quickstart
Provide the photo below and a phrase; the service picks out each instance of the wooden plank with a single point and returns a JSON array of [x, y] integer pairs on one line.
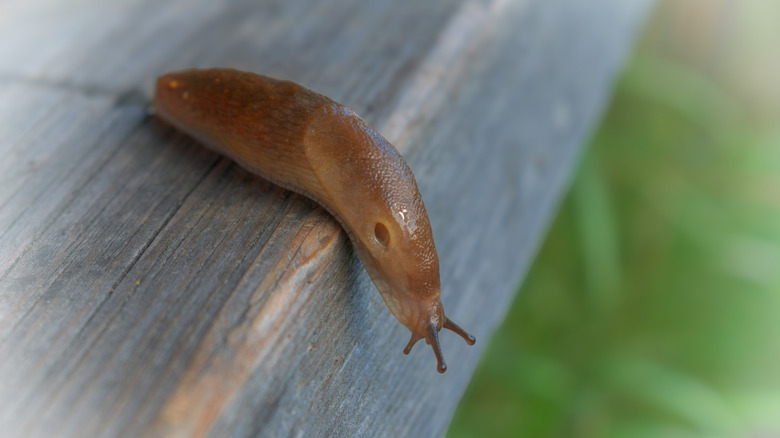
[[149, 287]]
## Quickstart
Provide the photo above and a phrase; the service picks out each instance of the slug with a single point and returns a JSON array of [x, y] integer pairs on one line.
[[311, 145]]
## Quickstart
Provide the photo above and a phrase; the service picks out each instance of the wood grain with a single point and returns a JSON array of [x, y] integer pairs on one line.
[[149, 287]]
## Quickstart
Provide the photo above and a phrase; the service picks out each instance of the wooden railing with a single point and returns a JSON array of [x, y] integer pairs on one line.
[[150, 287]]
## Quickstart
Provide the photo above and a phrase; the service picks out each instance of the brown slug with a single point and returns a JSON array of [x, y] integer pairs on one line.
[[311, 145]]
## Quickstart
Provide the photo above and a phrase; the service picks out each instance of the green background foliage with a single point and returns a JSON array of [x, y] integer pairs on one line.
[[653, 307]]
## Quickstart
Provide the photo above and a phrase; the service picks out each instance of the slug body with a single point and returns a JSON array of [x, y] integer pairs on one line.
[[307, 143]]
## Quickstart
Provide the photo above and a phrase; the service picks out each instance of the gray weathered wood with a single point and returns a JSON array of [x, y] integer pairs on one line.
[[150, 287]]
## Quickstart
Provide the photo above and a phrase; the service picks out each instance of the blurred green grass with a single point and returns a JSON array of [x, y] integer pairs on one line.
[[652, 308]]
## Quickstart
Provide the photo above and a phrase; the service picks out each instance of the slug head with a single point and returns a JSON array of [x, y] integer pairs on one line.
[[403, 264], [373, 193]]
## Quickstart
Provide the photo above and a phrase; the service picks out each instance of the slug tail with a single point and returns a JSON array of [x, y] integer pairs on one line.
[[448, 324]]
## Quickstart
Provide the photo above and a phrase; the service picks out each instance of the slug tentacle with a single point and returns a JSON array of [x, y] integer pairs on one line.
[[307, 143], [412, 341], [448, 324], [433, 339]]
